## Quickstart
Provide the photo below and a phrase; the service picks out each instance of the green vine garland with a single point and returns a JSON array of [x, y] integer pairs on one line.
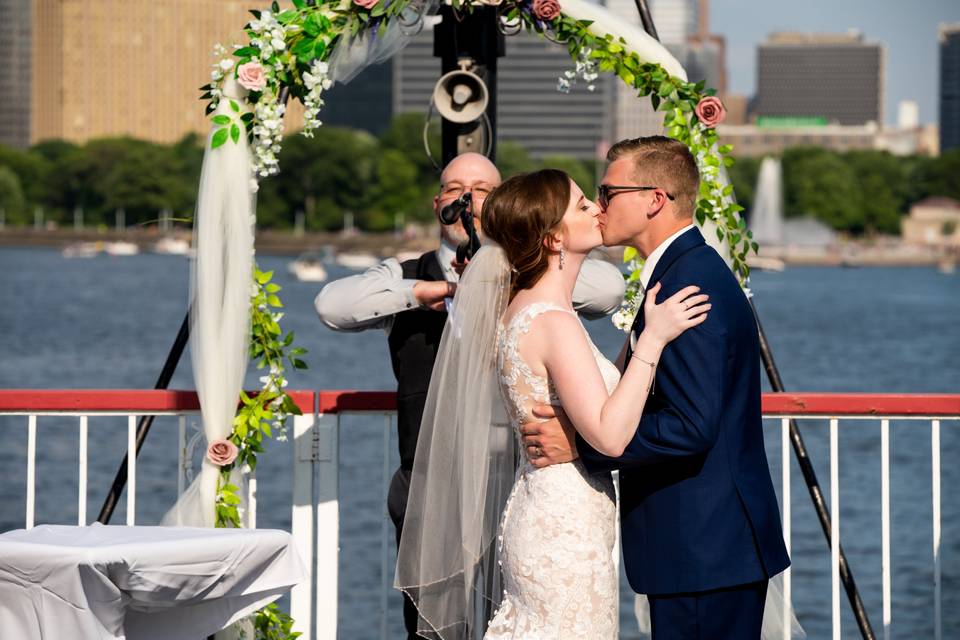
[[261, 415], [678, 100], [292, 47], [290, 50]]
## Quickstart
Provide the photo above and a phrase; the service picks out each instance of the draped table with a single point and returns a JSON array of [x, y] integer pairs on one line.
[[139, 583]]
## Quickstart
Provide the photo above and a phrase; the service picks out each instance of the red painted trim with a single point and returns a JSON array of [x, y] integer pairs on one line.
[[142, 401], [861, 404], [330, 401], [337, 401]]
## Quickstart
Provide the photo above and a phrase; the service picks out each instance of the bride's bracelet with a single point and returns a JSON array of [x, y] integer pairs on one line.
[[653, 370]]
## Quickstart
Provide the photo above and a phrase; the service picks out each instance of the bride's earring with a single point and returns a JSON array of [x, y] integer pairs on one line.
[[562, 254]]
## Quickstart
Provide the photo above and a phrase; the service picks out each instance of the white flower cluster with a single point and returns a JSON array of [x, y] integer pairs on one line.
[[623, 317], [270, 40], [585, 70], [267, 134], [270, 35], [709, 174], [275, 382], [218, 72], [317, 80]]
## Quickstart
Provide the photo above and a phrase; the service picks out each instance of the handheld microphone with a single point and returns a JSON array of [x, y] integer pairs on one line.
[[452, 212]]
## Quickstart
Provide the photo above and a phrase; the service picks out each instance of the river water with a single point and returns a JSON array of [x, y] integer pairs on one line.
[[108, 323]]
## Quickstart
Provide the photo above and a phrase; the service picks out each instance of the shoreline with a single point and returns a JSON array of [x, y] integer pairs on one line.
[[887, 252]]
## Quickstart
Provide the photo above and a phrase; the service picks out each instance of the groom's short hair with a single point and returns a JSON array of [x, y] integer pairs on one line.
[[663, 162]]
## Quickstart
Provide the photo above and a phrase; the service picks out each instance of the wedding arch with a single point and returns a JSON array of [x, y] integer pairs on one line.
[[298, 53]]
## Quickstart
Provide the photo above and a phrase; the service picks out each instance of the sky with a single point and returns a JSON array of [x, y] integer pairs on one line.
[[908, 28]]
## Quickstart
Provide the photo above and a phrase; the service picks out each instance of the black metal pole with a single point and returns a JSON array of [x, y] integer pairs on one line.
[[813, 485], [143, 427], [796, 439], [473, 35], [646, 19]]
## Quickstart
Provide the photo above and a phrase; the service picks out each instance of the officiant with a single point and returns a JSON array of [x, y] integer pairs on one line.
[[408, 301]]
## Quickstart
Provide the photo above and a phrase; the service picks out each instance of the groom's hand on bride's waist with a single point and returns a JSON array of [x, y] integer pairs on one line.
[[550, 440]]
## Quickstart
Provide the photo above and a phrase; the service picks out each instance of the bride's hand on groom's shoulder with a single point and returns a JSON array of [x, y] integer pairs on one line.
[[551, 440], [665, 321]]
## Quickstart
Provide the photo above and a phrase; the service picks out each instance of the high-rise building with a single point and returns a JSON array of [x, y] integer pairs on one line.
[[838, 77], [15, 73], [415, 72], [634, 116], [949, 86], [533, 113], [675, 20], [126, 67], [684, 28], [363, 103]]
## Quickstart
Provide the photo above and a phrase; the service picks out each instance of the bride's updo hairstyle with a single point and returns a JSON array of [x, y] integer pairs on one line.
[[519, 215]]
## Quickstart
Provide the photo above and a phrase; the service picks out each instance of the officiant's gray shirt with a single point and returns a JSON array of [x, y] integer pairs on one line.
[[369, 300]]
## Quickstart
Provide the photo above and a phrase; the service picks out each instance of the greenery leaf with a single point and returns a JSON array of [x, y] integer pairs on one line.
[[219, 137], [234, 133]]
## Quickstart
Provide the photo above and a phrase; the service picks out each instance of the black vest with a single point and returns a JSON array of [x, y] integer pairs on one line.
[[414, 340]]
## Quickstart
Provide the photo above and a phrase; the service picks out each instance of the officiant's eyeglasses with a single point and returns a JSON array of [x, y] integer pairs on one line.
[[606, 192]]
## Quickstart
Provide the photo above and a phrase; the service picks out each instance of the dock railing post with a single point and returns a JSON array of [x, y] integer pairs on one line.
[[315, 523]]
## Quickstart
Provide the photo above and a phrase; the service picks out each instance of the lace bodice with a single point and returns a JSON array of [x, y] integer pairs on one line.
[[558, 527], [522, 388]]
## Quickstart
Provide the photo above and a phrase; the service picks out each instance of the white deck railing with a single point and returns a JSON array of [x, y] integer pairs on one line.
[[315, 522]]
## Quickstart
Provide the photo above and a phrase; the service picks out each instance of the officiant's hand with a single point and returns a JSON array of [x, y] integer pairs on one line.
[[550, 442], [432, 294], [459, 266]]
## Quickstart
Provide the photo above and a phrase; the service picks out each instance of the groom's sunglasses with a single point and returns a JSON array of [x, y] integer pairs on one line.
[[606, 192]]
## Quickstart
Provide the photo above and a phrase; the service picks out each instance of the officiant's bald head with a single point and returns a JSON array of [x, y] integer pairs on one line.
[[468, 172]]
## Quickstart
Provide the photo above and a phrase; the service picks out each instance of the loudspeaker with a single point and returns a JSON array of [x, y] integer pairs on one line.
[[461, 96]]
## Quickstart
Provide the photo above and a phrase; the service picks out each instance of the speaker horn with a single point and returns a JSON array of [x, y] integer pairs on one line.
[[461, 96]]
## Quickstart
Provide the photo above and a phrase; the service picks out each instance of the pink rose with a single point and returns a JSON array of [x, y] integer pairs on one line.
[[710, 111], [366, 4], [250, 76], [222, 452], [546, 10]]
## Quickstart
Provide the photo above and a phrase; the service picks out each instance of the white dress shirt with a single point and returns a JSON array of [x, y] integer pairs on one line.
[[647, 271], [369, 300], [651, 263]]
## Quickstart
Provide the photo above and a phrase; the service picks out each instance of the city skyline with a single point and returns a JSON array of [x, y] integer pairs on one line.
[[910, 44], [908, 30]]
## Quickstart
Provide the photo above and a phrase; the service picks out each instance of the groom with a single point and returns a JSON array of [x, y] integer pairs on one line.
[[700, 522]]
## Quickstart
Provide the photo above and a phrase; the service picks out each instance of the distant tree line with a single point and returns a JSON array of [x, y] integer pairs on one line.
[[383, 181], [380, 181], [857, 191]]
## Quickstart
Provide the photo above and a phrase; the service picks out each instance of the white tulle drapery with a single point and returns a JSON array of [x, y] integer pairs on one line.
[[355, 54], [465, 465], [775, 615], [220, 318], [636, 40]]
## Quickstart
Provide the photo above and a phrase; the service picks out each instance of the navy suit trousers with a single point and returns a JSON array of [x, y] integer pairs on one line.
[[734, 613]]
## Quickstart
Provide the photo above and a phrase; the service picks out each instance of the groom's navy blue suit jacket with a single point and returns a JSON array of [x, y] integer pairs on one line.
[[698, 510]]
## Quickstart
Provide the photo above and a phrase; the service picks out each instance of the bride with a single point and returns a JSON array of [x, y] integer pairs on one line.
[[513, 327]]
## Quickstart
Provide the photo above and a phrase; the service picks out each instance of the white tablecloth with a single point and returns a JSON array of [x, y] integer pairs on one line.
[[140, 583]]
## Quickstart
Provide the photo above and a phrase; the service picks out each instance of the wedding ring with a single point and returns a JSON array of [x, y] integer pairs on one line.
[[539, 451]]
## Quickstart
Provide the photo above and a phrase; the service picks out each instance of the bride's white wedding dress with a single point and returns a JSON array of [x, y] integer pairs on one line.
[[557, 531]]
